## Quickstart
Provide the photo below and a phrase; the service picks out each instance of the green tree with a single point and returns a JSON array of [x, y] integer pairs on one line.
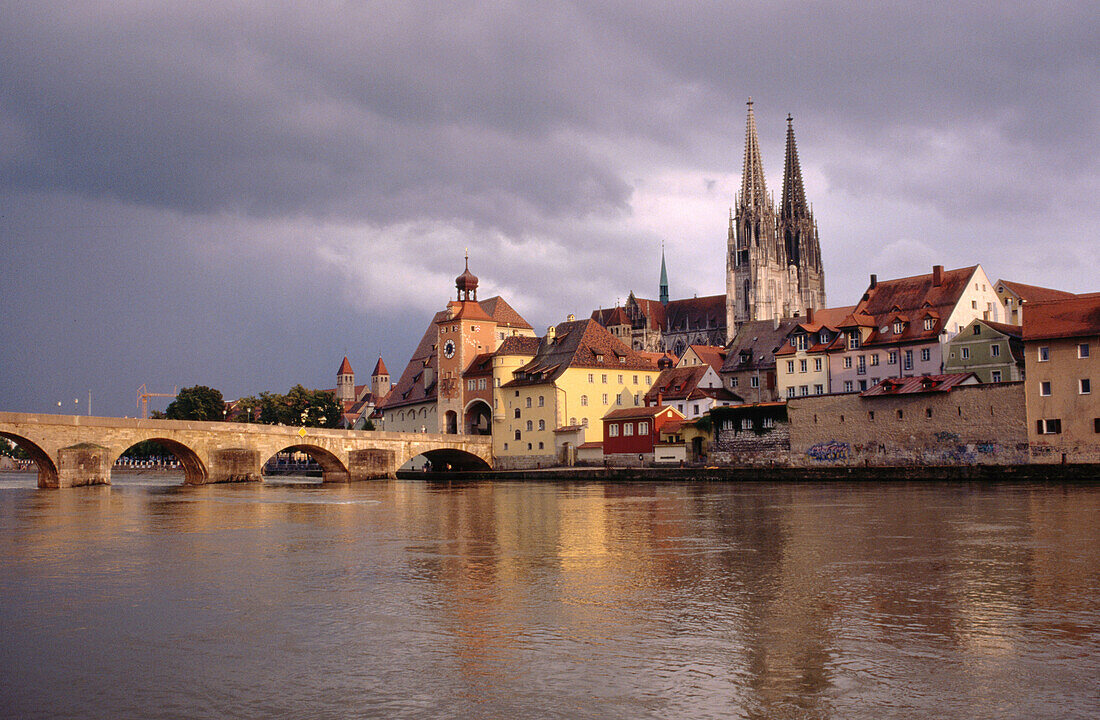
[[312, 408], [248, 410], [197, 403], [12, 450]]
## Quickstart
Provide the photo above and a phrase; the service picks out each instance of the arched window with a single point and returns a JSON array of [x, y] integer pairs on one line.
[[517, 413], [542, 424], [542, 401], [528, 402], [528, 425], [517, 434]]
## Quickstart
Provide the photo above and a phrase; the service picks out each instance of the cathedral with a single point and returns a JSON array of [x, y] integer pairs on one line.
[[773, 267], [773, 259]]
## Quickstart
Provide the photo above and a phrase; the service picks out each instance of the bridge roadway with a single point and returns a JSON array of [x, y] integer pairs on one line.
[[76, 450]]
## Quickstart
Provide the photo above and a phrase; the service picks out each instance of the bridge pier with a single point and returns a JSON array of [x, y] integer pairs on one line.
[[232, 465], [372, 465], [81, 464]]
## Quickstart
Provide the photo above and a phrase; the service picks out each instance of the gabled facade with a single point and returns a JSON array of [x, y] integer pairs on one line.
[[802, 362], [653, 326], [899, 327], [578, 373], [993, 351], [1062, 356], [692, 390], [711, 355], [749, 368]]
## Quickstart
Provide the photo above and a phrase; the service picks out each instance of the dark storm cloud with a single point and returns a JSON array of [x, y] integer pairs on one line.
[[319, 168]]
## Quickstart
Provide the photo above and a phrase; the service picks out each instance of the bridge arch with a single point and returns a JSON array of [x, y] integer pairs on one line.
[[194, 469], [47, 470], [332, 468], [450, 459], [477, 418]]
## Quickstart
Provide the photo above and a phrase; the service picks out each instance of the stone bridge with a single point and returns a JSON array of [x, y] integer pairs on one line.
[[77, 450]]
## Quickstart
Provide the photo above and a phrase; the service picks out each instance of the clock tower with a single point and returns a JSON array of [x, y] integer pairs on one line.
[[463, 333]]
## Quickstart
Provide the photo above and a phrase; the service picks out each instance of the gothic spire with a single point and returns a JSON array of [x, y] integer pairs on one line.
[[753, 190], [664, 278], [793, 203]]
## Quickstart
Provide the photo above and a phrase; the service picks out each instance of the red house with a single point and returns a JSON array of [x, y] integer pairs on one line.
[[629, 434]]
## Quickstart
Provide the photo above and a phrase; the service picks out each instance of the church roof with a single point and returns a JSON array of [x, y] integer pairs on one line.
[[696, 313], [345, 368], [380, 368]]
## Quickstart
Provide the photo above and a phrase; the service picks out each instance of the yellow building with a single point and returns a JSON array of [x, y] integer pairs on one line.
[[577, 374], [801, 363]]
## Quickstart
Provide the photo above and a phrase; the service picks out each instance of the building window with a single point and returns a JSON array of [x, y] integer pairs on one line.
[[584, 401], [733, 382], [599, 359], [819, 389], [542, 401], [861, 364], [790, 366], [929, 323], [996, 375], [529, 428], [928, 412], [591, 377], [862, 385], [824, 336], [604, 398], [874, 360], [619, 399], [800, 341], [871, 415], [847, 386], [977, 329], [542, 424], [965, 353], [628, 429], [790, 391], [817, 364], [754, 382], [635, 379], [802, 367], [603, 379], [925, 354], [528, 402], [847, 363], [695, 409], [496, 382], [648, 381], [643, 428], [1084, 386], [517, 435], [481, 383], [897, 328], [528, 446], [803, 390], [1044, 354], [540, 446], [908, 360], [471, 384], [613, 430], [517, 413], [1083, 350], [746, 423], [505, 446], [1051, 426], [1044, 388], [892, 357], [1096, 425], [768, 422], [620, 379], [995, 350], [900, 414], [853, 340]]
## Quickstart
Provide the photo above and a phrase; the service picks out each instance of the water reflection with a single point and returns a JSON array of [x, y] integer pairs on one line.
[[550, 600]]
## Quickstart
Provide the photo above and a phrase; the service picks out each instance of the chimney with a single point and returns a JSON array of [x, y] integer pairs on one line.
[[660, 399], [937, 275], [874, 281], [810, 312]]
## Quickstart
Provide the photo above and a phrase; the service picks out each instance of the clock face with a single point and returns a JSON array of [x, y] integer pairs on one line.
[[449, 348]]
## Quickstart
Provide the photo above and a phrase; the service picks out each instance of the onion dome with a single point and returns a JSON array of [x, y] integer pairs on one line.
[[466, 283]]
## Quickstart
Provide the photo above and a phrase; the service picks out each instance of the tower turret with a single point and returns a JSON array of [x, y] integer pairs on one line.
[[345, 382], [380, 381], [664, 278]]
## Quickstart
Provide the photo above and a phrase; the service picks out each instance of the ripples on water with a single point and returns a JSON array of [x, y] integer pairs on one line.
[[482, 600]]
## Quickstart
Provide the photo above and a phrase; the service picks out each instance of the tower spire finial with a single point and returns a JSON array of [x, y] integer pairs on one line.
[[664, 277], [754, 191], [793, 201]]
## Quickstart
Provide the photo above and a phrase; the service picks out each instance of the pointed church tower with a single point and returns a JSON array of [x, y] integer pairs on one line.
[[798, 233], [380, 382], [345, 382], [664, 278], [753, 252]]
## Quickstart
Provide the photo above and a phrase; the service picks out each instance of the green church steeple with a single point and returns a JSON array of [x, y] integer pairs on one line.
[[664, 278]]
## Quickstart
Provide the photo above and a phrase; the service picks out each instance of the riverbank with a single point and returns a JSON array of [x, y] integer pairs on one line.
[[966, 473]]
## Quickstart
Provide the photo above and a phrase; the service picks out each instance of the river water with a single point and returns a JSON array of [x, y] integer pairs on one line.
[[549, 600]]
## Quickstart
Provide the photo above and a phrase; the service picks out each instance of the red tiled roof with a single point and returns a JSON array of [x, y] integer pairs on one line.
[[482, 364], [641, 412], [466, 310], [676, 383], [713, 356], [579, 343], [590, 445], [410, 387], [503, 313], [921, 384], [1010, 330], [380, 368], [345, 368], [1075, 317], [1034, 293], [518, 345]]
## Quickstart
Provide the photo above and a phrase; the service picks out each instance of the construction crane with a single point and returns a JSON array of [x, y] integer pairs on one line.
[[143, 396]]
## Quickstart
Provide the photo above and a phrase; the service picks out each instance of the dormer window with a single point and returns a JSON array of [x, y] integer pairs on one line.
[[824, 336], [853, 339], [599, 358], [898, 327], [800, 341], [929, 323]]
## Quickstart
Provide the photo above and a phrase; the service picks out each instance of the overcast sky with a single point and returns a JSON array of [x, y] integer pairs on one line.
[[238, 194]]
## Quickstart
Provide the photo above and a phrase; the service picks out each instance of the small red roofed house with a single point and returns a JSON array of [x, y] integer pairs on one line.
[[630, 434]]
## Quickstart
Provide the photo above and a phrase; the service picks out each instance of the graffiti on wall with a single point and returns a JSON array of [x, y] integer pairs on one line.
[[830, 450]]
